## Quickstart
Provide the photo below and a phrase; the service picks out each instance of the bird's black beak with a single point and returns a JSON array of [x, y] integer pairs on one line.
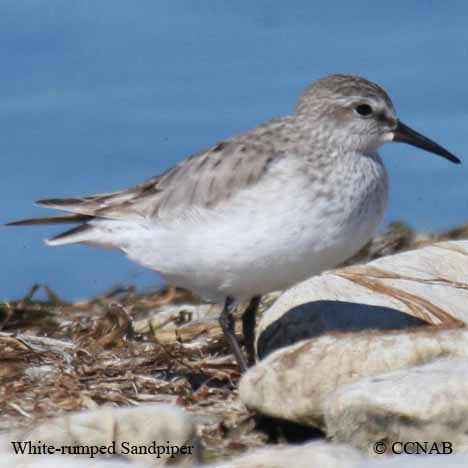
[[405, 134]]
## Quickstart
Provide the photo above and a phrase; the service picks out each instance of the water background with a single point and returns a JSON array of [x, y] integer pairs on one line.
[[97, 96]]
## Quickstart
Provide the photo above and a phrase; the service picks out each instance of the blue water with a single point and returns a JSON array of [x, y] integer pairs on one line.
[[96, 96]]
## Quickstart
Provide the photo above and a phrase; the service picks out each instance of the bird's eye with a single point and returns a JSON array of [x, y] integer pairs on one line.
[[363, 109]]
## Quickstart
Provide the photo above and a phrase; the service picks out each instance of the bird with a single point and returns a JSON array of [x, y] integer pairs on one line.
[[260, 211]]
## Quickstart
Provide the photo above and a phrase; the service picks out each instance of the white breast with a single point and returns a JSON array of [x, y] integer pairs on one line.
[[281, 231]]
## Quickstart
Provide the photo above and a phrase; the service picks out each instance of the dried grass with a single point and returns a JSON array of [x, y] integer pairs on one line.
[[58, 357]]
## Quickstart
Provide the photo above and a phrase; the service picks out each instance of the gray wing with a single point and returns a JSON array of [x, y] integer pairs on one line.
[[203, 180]]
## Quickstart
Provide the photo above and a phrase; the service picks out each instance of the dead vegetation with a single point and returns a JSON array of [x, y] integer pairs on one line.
[[58, 357]]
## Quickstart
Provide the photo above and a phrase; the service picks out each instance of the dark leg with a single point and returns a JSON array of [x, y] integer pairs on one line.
[[226, 320], [248, 328]]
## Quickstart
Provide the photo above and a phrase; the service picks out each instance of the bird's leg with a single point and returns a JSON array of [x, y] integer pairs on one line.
[[227, 322], [248, 328]]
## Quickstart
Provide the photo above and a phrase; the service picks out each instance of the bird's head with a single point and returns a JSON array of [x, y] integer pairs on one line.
[[358, 115]]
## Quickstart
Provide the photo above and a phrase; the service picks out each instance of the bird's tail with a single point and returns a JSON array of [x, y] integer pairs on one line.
[[60, 219], [68, 237]]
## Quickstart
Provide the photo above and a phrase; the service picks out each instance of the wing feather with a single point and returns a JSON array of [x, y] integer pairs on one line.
[[204, 180]]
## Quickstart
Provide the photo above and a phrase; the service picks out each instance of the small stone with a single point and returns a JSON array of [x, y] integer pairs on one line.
[[294, 382], [135, 433], [425, 403], [429, 284]]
